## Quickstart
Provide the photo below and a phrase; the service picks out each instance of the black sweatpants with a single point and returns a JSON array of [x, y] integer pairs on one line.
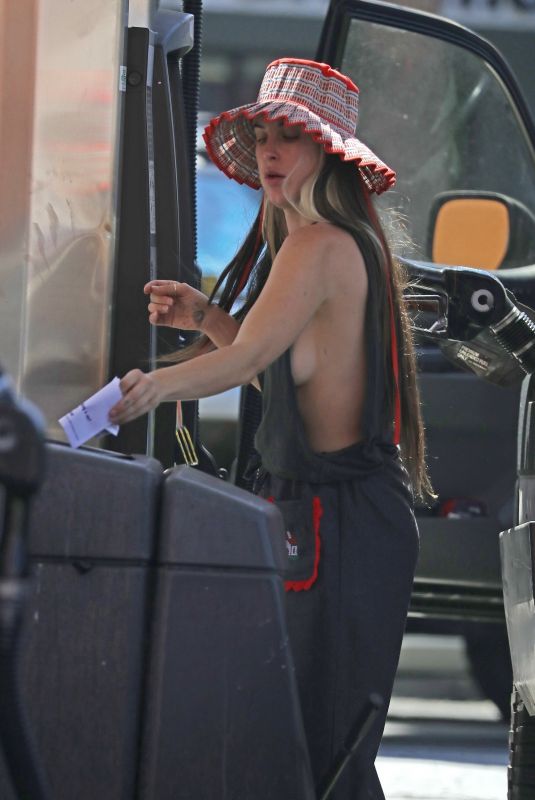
[[346, 630]]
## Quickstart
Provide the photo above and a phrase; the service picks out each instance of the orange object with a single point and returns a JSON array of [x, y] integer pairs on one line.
[[471, 232]]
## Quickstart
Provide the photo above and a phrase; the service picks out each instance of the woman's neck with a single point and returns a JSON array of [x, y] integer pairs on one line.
[[295, 220]]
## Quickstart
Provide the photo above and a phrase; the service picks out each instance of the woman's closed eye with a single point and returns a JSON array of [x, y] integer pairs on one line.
[[261, 142], [284, 134]]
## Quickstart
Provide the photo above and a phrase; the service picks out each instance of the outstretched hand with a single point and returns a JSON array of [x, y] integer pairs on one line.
[[141, 393], [176, 305]]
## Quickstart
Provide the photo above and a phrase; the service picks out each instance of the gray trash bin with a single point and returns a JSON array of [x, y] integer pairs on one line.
[[83, 650], [223, 718]]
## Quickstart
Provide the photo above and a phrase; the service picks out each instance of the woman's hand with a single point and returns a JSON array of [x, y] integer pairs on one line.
[[176, 305], [141, 393]]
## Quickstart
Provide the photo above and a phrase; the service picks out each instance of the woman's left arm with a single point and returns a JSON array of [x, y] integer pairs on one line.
[[294, 290]]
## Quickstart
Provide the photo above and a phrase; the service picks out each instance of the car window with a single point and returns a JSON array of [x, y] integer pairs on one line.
[[442, 118], [226, 211]]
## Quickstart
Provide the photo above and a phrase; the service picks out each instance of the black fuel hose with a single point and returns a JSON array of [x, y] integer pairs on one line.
[[250, 416], [191, 79]]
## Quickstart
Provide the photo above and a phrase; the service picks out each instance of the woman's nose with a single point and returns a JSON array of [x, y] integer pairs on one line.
[[271, 150]]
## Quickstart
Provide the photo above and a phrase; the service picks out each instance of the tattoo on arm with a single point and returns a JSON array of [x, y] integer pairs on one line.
[[198, 316]]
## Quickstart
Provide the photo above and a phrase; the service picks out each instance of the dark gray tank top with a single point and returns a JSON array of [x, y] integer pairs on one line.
[[281, 439]]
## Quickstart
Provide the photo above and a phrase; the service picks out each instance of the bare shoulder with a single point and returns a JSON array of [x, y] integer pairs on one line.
[[328, 250], [325, 239]]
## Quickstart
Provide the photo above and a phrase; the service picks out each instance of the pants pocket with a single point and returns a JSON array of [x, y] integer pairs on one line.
[[303, 541]]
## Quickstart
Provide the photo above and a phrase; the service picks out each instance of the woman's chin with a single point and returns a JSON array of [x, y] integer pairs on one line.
[[277, 198]]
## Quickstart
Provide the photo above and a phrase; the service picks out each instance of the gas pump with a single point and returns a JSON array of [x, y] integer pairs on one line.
[[477, 322], [22, 462], [22, 455]]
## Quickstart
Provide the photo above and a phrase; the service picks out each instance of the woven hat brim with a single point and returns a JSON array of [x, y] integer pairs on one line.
[[230, 142]]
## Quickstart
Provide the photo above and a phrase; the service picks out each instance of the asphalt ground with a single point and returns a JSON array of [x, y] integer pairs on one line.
[[443, 740]]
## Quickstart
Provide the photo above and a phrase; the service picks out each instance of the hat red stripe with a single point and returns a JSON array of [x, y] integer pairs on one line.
[[383, 177], [327, 70], [250, 114]]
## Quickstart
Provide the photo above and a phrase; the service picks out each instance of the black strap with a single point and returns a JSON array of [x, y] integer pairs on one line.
[[250, 416]]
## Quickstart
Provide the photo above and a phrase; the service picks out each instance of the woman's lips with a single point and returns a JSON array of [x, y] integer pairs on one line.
[[273, 177]]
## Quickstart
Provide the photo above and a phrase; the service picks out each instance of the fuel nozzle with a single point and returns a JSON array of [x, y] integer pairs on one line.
[[472, 301], [516, 333]]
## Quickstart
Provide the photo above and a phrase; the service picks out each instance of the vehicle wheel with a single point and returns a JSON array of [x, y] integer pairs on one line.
[[487, 650], [521, 770]]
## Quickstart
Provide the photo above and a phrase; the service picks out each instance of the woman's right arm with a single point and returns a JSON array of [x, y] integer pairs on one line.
[[220, 327], [297, 286], [179, 305]]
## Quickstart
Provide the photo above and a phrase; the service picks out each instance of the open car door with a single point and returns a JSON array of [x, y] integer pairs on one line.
[[440, 105]]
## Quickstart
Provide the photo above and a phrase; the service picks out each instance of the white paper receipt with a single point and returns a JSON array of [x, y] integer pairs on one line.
[[91, 417]]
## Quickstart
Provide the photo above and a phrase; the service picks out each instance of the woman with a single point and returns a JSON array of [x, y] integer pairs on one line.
[[324, 328]]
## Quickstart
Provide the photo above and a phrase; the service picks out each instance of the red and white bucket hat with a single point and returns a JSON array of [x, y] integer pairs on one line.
[[300, 92]]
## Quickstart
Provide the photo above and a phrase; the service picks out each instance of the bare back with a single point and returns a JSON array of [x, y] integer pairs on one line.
[[328, 357]]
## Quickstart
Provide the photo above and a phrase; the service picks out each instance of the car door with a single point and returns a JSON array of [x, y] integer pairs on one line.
[[440, 105]]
